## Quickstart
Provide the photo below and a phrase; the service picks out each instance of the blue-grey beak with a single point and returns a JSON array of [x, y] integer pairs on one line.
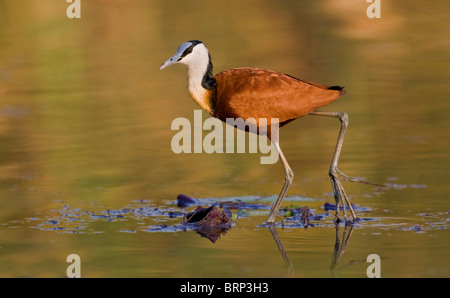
[[170, 61], [178, 56]]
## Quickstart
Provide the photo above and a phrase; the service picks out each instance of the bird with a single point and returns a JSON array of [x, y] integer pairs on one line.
[[249, 92]]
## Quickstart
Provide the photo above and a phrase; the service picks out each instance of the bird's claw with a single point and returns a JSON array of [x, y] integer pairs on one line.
[[341, 196]]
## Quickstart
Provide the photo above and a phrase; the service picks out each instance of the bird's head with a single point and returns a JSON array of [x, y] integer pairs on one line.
[[191, 53], [201, 82]]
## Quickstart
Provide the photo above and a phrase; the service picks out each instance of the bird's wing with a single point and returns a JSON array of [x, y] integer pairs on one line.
[[259, 93]]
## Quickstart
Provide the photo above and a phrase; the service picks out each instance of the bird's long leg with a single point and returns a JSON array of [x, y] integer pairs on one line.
[[338, 189], [289, 176]]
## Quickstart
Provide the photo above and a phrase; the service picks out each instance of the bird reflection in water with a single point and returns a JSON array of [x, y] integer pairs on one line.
[[287, 261], [338, 251], [339, 247]]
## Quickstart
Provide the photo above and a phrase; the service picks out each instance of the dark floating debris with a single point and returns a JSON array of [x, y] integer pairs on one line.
[[303, 215], [207, 217], [209, 222], [186, 201], [332, 207], [241, 205], [298, 216], [403, 186]]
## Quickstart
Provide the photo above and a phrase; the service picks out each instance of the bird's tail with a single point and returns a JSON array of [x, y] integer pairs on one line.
[[339, 88]]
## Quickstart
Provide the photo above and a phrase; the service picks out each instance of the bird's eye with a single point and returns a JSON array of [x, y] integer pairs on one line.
[[185, 53]]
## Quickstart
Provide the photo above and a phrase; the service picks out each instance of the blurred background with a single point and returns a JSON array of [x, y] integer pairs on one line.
[[85, 120]]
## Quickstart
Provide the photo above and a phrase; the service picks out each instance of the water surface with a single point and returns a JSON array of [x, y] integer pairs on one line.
[[86, 165]]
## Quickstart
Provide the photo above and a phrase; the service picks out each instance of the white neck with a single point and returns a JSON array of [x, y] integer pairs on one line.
[[197, 63], [195, 77]]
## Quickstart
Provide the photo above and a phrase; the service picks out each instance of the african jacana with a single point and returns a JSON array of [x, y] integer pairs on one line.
[[259, 93]]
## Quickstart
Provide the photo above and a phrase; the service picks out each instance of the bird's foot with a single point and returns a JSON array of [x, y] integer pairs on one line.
[[341, 196], [356, 179]]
